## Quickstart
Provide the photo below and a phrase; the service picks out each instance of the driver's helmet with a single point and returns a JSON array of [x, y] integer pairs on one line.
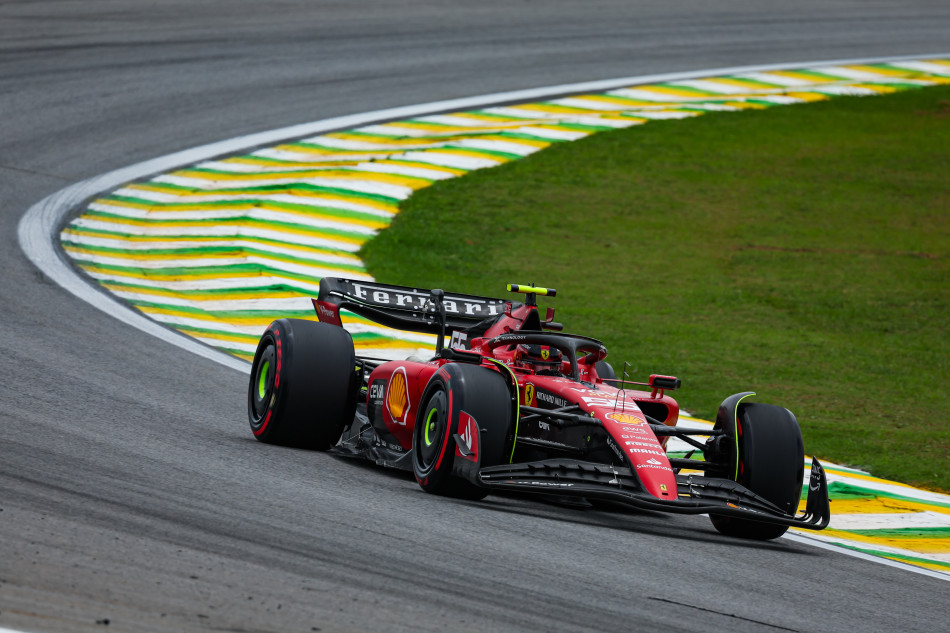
[[538, 358]]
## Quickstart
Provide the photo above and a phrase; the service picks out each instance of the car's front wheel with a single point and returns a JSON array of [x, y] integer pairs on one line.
[[466, 413], [771, 462]]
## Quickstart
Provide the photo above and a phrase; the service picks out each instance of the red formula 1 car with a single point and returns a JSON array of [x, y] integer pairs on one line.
[[515, 404]]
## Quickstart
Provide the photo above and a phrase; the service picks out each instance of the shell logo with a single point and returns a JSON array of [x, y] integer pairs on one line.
[[397, 396], [624, 418]]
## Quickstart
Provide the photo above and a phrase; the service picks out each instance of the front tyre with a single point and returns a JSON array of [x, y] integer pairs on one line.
[[464, 423], [303, 384], [771, 462]]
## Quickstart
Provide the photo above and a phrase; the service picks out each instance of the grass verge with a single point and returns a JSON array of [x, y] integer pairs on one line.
[[800, 252]]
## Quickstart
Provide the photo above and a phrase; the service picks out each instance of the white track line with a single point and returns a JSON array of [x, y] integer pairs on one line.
[[38, 229]]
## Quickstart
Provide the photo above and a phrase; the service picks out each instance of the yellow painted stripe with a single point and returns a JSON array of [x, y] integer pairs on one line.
[[879, 505], [922, 545], [236, 205], [332, 173], [314, 252]]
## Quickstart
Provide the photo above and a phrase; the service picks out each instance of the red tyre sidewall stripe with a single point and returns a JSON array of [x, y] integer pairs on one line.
[[270, 410], [448, 432]]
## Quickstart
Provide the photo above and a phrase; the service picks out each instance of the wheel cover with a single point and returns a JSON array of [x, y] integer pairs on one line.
[[262, 382], [433, 430]]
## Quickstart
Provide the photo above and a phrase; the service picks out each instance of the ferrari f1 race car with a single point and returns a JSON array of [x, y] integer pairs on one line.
[[514, 404]]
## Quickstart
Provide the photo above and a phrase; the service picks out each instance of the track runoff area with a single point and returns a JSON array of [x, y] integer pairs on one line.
[[219, 248]]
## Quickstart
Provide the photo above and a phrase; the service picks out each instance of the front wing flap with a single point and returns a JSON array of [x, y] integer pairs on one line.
[[697, 494]]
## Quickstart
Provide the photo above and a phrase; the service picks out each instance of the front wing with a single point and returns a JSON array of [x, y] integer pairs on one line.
[[697, 494]]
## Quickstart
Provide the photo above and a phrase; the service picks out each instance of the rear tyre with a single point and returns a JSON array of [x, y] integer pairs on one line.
[[605, 370], [463, 400], [303, 385], [771, 464]]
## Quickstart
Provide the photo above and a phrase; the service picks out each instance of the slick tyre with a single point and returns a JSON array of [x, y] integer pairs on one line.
[[303, 385], [464, 423], [771, 464], [605, 371]]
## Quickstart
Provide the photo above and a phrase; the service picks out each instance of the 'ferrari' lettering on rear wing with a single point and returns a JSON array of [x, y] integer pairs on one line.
[[407, 308]]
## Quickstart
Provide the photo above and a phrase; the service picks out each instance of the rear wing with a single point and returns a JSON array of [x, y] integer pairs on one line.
[[403, 307]]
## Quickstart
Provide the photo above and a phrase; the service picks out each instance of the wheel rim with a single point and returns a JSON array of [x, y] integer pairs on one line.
[[432, 431], [264, 376]]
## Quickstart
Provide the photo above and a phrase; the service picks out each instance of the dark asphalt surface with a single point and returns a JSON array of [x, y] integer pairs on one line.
[[132, 496]]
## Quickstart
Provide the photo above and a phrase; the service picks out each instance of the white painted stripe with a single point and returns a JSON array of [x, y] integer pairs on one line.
[[464, 121], [314, 199], [395, 130], [714, 87], [851, 74], [513, 147], [308, 199], [811, 539], [539, 117], [779, 80], [781, 99], [253, 213], [888, 487], [216, 231], [301, 156], [247, 348], [592, 104], [314, 272], [277, 306], [712, 107], [899, 551], [844, 91], [889, 520], [404, 170], [667, 114], [452, 160], [645, 94], [558, 135], [376, 146], [254, 168], [927, 67], [220, 283]]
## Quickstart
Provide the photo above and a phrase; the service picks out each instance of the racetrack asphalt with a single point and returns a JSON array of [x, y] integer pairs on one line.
[[131, 490]]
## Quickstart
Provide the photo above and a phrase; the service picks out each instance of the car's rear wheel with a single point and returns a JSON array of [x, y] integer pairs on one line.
[[303, 384], [473, 403], [771, 464]]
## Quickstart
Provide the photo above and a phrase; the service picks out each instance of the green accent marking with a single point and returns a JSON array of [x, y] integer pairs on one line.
[[735, 431], [430, 426], [205, 252], [261, 385], [911, 560], [901, 533], [840, 491], [517, 408]]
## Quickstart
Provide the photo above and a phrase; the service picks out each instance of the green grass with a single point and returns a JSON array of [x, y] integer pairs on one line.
[[800, 252]]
